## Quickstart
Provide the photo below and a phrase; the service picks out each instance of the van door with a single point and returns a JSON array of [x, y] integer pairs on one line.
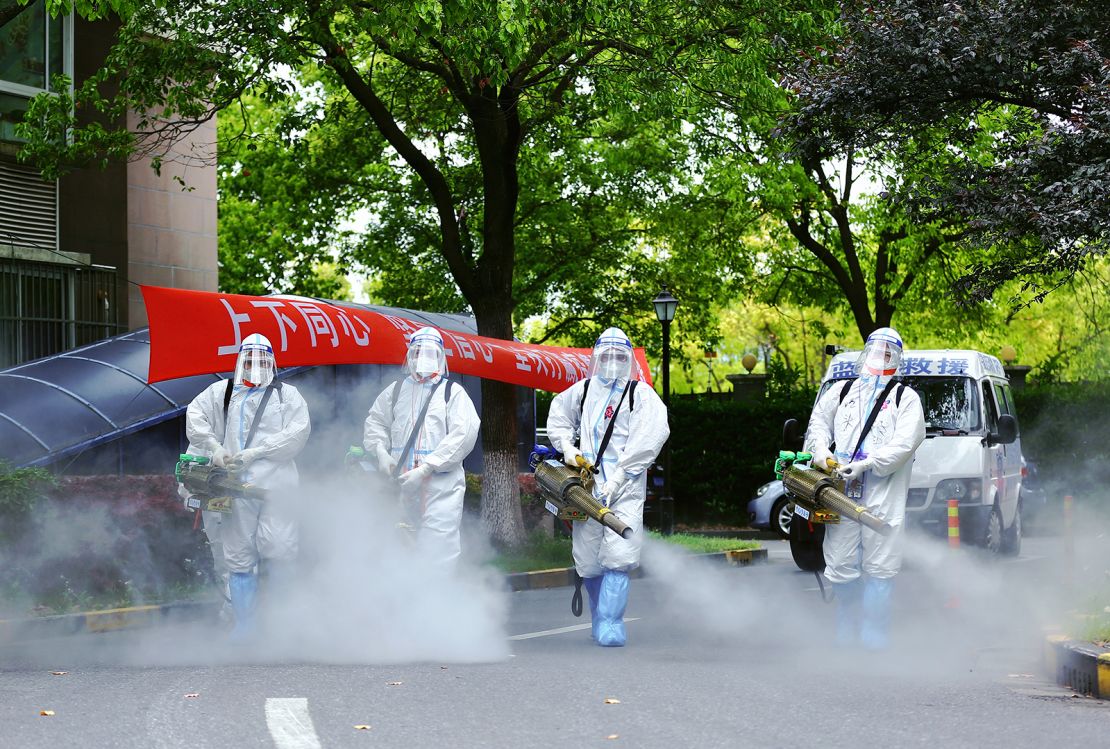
[[1011, 462], [996, 456]]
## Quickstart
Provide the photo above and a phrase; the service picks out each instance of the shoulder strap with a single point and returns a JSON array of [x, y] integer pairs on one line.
[[261, 408], [447, 392], [416, 427], [844, 390], [227, 399], [396, 392], [585, 389], [873, 415], [632, 395], [609, 429], [898, 395]]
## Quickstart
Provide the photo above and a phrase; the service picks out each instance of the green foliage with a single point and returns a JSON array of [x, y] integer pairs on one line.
[[722, 450], [20, 490], [1064, 432], [1013, 99]]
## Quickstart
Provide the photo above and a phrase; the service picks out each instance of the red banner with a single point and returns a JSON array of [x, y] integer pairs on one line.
[[199, 332]]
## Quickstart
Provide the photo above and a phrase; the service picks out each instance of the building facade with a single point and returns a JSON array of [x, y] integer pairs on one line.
[[74, 251]]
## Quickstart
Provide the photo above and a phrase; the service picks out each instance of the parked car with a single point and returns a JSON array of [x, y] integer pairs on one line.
[[1036, 506], [770, 509]]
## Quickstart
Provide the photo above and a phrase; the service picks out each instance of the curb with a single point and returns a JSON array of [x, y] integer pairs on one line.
[[137, 617], [109, 620], [564, 576], [1083, 666]]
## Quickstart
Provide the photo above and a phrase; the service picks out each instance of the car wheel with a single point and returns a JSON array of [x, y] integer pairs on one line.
[[1011, 537], [781, 513], [992, 536], [806, 542]]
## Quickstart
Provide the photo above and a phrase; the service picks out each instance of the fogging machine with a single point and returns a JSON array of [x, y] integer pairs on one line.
[[212, 488], [819, 496], [566, 491]]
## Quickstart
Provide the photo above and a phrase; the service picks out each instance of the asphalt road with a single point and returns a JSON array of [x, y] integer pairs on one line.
[[716, 657]]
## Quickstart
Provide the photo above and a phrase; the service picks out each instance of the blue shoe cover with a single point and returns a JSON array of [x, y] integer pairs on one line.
[[848, 598], [244, 593], [593, 591], [610, 609], [875, 629]]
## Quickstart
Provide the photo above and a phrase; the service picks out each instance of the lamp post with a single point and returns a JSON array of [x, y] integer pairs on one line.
[[665, 305]]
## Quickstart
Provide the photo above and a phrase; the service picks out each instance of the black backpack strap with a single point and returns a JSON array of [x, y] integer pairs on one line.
[[261, 409], [609, 429], [447, 392], [396, 393], [844, 390], [873, 415], [227, 400], [582, 403], [632, 395], [898, 395]]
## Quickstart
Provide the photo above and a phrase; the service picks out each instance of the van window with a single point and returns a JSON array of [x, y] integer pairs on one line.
[[990, 407], [948, 402], [1005, 400]]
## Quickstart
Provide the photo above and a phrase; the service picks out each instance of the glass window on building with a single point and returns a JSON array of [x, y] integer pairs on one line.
[[33, 49]]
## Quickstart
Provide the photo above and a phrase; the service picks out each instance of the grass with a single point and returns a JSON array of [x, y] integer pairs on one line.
[[544, 553], [1093, 620]]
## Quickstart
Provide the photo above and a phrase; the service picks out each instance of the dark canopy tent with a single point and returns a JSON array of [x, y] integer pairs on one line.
[[91, 411]]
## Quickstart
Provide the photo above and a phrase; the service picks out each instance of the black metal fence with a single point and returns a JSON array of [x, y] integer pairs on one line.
[[46, 308]]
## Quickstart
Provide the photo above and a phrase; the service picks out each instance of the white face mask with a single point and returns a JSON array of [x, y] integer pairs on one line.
[[427, 362]]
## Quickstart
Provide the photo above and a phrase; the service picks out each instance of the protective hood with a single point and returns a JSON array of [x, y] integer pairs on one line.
[[425, 358], [612, 360], [881, 356], [256, 366]]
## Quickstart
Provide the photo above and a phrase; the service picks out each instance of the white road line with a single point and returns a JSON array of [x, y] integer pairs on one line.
[[290, 724], [560, 630]]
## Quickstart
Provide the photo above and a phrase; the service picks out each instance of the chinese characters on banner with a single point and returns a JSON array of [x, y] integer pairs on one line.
[[199, 332]]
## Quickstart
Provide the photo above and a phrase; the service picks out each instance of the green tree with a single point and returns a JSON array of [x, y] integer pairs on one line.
[[456, 93], [1019, 93]]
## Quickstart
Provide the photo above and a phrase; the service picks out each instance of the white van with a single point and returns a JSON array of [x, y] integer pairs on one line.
[[971, 451]]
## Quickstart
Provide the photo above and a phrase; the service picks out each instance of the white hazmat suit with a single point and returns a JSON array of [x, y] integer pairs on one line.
[[877, 476], [431, 475], [256, 529], [639, 429]]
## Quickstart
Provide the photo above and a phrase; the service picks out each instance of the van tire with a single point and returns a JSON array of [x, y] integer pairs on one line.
[[1011, 537], [992, 533], [806, 544]]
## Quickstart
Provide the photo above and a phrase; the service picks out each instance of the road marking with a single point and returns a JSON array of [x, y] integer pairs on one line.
[[290, 724], [560, 630]]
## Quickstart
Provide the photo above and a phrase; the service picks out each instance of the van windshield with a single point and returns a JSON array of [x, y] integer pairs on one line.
[[950, 403]]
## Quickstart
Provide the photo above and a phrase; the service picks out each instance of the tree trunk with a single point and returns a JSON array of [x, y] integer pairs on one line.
[[501, 514]]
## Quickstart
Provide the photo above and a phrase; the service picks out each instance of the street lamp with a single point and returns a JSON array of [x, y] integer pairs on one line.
[[665, 305]]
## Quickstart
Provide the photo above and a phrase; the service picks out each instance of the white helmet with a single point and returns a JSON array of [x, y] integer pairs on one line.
[[881, 355], [255, 366], [425, 358], [612, 360]]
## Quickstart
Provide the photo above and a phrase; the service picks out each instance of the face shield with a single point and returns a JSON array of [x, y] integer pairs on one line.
[[425, 357], [882, 354], [612, 358], [256, 366]]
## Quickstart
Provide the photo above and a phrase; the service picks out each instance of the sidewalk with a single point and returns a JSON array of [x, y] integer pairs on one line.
[[137, 617]]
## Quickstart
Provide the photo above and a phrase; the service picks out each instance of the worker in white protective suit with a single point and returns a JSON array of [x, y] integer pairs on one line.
[[619, 428], [257, 425], [420, 429], [860, 563]]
